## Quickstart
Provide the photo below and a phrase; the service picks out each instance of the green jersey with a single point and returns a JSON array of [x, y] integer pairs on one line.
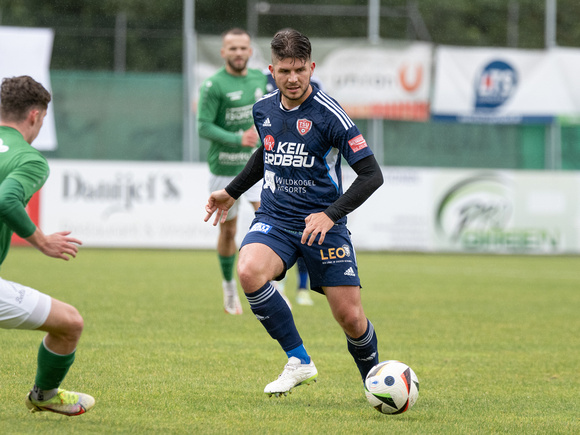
[[224, 113], [23, 171]]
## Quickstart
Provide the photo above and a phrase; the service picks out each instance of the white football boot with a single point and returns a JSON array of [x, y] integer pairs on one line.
[[232, 304], [295, 373], [303, 297], [64, 402]]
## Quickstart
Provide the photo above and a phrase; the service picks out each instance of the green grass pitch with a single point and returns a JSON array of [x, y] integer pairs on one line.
[[494, 341]]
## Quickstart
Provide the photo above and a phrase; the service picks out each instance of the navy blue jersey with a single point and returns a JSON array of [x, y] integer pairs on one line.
[[303, 148]]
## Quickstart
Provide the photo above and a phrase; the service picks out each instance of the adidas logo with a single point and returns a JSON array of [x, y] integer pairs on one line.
[[370, 358], [267, 123], [349, 272]]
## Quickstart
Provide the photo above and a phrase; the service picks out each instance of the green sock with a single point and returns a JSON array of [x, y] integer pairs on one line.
[[227, 265], [52, 368]]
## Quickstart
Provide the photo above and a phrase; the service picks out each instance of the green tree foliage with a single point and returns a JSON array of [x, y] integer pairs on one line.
[[85, 29]]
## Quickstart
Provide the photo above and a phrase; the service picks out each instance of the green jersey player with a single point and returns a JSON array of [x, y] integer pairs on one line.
[[225, 119], [23, 171]]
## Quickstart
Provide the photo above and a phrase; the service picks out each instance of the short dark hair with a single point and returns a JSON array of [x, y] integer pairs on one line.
[[18, 95], [235, 31], [290, 44]]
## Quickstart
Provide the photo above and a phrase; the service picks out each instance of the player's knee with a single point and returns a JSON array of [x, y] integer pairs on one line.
[[73, 325], [348, 322], [351, 323], [245, 275], [250, 276]]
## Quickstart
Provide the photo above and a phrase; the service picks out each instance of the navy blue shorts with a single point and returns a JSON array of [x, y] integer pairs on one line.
[[329, 265]]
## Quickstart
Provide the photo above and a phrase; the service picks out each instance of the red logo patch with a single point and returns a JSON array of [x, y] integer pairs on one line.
[[357, 143], [303, 126], [269, 142]]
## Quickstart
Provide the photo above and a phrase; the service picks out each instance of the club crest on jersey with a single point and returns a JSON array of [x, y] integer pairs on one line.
[[269, 142], [303, 126]]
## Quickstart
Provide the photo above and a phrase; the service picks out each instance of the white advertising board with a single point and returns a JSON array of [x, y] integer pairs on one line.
[[479, 211], [27, 51], [128, 204], [391, 80], [161, 205], [507, 211], [503, 85], [398, 215]]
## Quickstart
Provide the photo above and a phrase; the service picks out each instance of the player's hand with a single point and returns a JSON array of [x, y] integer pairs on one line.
[[219, 202], [317, 224], [250, 137], [57, 245]]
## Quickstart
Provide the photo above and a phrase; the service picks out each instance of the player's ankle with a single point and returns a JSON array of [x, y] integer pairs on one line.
[[42, 395]]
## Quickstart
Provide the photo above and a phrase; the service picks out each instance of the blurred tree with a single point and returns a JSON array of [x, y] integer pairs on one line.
[[85, 29]]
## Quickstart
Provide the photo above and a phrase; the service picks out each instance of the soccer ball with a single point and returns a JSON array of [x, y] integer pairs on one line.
[[392, 387]]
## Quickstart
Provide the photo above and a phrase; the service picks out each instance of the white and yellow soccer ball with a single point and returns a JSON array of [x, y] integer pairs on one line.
[[392, 387]]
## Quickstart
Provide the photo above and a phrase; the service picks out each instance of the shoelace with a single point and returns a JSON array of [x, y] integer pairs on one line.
[[64, 396], [287, 368]]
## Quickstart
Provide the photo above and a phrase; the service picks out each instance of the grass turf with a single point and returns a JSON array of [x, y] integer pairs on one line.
[[493, 340]]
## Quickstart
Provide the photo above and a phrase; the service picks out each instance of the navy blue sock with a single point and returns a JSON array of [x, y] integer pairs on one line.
[[302, 273], [271, 309], [364, 350]]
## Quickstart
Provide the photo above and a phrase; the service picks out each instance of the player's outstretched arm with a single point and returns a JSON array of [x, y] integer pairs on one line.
[[57, 245], [219, 201]]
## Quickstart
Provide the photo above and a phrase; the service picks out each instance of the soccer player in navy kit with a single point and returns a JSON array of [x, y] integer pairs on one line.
[[305, 134]]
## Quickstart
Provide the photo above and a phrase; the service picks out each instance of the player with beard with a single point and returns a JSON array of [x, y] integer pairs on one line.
[[305, 135], [225, 119]]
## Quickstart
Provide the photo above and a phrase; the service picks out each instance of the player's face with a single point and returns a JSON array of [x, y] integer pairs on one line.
[[236, 51], [292, 76]]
